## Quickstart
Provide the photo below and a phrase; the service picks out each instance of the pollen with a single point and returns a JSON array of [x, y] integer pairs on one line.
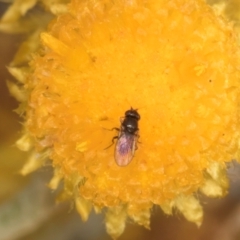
[[177, 62]]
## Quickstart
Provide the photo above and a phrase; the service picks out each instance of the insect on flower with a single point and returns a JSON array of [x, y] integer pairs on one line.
[[127, 138]]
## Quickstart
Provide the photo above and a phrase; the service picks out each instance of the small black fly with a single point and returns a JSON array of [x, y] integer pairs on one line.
[[127, 138]]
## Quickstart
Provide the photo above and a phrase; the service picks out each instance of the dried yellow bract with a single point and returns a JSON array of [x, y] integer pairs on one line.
[[178, 64]]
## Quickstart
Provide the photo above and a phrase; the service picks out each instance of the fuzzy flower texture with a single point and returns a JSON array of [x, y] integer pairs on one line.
[[177, 62]]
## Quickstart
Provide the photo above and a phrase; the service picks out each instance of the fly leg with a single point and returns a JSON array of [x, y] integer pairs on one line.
[[136, 146], [117, 129], [113, 139]]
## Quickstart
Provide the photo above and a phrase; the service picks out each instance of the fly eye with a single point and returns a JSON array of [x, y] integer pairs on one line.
[[128, 113], [133, 114]]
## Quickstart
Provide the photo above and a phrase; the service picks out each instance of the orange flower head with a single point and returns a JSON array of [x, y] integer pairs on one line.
[[177, 63]]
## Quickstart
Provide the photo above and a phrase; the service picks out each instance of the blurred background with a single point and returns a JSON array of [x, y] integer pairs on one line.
[[28, 210]]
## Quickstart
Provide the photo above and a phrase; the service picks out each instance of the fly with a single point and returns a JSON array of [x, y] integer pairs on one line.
[[127, 138]]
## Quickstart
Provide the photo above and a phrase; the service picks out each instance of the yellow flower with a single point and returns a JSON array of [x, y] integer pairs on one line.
[[174, 61]]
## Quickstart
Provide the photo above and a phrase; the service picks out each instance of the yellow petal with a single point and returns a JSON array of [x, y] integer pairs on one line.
[[25, 143], [83, 207], [17, 91], [190, 207], [18, 9], [34, 162], [115, 221]]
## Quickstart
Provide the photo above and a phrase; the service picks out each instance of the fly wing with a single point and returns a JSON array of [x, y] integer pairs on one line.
[[125, 149]]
